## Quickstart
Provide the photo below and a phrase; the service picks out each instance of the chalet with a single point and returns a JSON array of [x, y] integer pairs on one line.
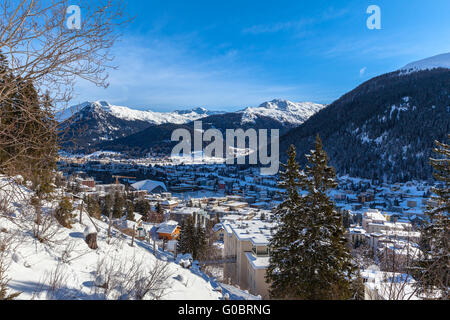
[[169, 230]]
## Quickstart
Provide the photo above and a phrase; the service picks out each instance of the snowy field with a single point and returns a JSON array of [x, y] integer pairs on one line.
[[64, 267]]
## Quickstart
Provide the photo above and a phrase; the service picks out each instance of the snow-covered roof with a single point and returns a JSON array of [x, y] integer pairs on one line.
[[168, 227], [374, 215], [218, 227], [149, 185], [256, 231], [257, 262]]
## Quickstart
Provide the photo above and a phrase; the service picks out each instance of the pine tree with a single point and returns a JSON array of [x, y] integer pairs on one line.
[[64, 213], [200, 242], [310, 259], [119, 203], [28, 138], [181, 243], [186, 241], [107, 205], [431, 270], [142, 207], [93, 207], [130, 211]]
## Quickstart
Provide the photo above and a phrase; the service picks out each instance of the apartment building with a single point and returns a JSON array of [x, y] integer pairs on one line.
[[247, 241]]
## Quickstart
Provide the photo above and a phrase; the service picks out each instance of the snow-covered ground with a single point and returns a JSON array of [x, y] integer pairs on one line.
[[439, 61], [64, 267]]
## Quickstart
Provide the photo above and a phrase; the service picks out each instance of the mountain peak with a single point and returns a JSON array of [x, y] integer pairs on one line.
[[285, 111], [439, 61], [276, 104], [102, 103], [198, 110]]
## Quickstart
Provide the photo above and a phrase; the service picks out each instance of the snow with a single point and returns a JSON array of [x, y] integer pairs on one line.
[[375, 215], [126, 113], [32, 263], [149, 185], [90, 229], [283, 111], [439, 61], [258, 262], [168, 227]]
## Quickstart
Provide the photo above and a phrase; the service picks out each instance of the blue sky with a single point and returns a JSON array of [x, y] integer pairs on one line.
[[227, 55]]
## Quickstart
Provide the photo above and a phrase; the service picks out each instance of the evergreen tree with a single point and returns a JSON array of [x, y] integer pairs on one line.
[[64, 213], [142, 207], [119, 203], [130, 211], [192, 239], [93, 207], [309, 255], [346, 219], [159, 209], [107, 205], [431, 270], [28, 135], [200, 242], [186, 241]]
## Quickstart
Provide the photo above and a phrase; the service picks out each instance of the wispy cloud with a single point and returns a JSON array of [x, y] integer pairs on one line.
[[165, 75], [295, 25], [276, 27], [362, 71]]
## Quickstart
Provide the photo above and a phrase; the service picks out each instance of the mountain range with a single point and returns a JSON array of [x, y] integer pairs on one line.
[[100, 124], [383, 129]]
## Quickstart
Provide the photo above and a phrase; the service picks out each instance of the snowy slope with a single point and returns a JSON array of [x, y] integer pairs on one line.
[[32, 263], [439, 61], [283, 111], [125, 113]]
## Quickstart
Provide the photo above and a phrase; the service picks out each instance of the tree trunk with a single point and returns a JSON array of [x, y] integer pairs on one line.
[[134, 234], [91, 240], [110, 223]]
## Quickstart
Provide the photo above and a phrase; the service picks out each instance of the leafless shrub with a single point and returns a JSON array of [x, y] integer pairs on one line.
[[5, 250], [45, 228], [151, 283], [67, 252], [40, 60], [132, 279], [54, 285], [41, 48]]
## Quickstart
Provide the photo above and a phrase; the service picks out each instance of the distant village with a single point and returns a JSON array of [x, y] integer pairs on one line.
[[236, 206]]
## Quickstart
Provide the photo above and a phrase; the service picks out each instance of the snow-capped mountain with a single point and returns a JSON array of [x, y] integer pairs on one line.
[[277, 114], [91, 123], [100, 122], [385, 128], [283, 111], [129, 114], [439, 61]]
